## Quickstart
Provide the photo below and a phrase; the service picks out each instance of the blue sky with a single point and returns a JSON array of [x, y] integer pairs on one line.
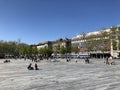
[[35, 21]]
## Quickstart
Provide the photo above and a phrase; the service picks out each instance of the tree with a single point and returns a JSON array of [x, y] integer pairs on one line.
[[75, 50], [68, 45], [41, 51], [7, 48], [23, 49], [104, 41], [45, 51], [91, 43], [49, 52], [62, 50]]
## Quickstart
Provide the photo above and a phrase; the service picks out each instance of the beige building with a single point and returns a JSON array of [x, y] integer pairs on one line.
[[54, 45]]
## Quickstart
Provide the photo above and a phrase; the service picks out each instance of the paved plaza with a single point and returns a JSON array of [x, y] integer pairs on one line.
[[59, 75]]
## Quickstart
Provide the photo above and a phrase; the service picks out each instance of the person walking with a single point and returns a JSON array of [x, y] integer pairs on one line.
[[107, 62]]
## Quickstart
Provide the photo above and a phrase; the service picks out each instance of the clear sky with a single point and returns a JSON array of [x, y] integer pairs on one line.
[[35, 21]]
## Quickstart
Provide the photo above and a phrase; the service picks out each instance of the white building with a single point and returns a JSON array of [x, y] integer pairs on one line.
[[79, 41]]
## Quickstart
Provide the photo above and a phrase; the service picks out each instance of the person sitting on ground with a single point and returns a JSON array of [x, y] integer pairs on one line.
[[7, 61], [36, 66], [111, 62], [30, 67], [67, 60]]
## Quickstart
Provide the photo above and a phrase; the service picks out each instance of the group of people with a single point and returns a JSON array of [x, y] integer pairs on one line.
[[108, 61], [32, 68], [7, 61]]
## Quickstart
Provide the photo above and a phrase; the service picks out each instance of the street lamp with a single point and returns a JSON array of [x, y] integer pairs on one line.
[[84, 35]]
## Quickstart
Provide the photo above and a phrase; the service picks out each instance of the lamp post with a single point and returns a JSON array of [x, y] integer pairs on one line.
[[84, 37], [18, 47]]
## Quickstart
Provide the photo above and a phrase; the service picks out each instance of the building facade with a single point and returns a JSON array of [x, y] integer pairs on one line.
[[102, 43], [47, 44], [107, 39], [55, 45]]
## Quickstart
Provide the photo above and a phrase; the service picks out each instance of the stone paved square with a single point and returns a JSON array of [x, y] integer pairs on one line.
[[60, 75]]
